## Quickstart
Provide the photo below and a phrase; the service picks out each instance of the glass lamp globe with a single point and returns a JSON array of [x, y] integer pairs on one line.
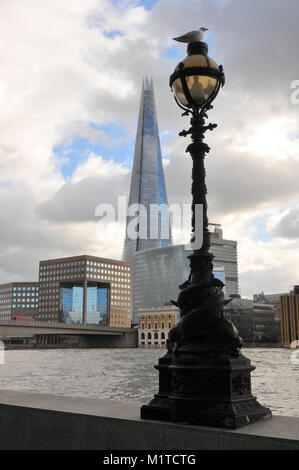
[[197, 79]]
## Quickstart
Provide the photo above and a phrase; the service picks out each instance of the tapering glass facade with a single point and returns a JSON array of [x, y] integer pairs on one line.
[[152, 226], [96, 304]]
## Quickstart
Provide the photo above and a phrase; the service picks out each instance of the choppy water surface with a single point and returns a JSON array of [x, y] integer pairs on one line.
[[128, 374]]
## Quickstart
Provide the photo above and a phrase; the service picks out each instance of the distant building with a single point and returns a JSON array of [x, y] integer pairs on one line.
[[256, 322], [157, 273], [240, 312], [85, 289], [266, 323], [19, 299], [154, 324], [226, 258], [272, 299], [289, 311]]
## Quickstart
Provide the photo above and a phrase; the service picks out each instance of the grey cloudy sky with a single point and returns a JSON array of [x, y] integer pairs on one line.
[[73, 68]]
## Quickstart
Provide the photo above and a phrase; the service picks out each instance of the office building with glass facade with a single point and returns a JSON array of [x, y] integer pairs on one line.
[[147, 183], [85, 289], [19, 299], [225, 257], [96, 304]]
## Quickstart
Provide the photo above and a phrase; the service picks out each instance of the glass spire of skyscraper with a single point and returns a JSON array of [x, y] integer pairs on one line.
[[151, 223]]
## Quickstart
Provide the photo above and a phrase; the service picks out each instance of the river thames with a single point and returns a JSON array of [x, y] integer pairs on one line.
[[128, 374]]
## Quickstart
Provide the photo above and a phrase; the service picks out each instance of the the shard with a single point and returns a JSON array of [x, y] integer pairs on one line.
[[147, 226]]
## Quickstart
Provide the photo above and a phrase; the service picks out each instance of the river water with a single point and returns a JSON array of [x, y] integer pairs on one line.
[[128, 374]]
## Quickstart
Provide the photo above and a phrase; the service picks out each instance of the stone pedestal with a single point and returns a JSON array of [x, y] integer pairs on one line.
[[159, 406], [209, 391]]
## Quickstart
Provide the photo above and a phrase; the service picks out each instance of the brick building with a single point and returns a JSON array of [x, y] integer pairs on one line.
[[19, 299]]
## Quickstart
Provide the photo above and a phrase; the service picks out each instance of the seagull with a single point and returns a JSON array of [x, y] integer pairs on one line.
[[192, 36]]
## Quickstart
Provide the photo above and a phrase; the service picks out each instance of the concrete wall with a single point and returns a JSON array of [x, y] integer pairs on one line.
[[41, 421]]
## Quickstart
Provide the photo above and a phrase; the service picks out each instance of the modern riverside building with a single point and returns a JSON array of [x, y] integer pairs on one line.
[[272, 299], [154, 324], [157, 273], [266, 323], [85, 289], [240, 312], [19, 299], [147, 183], [256, 322], [289, 313]]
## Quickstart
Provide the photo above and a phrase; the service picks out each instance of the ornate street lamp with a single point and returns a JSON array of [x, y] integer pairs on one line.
[[203, 378]]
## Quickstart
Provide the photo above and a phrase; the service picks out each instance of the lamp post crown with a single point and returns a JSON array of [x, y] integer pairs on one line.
[[197, 79], [197, 47]]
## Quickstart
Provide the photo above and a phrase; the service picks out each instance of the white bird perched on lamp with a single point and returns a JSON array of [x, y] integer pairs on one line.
[[192, 36]]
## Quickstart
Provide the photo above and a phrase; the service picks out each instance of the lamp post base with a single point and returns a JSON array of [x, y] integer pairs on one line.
[[207, 391], [159, 406]]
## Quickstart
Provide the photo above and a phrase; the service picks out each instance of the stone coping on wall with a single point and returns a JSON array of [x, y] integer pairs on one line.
[[44, 421]]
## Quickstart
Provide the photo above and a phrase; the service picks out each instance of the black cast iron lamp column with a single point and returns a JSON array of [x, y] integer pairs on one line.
[[195, 83], [203, 378]]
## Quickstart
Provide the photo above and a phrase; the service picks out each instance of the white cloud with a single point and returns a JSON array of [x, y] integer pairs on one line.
[[61, 71], [97, 166]]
